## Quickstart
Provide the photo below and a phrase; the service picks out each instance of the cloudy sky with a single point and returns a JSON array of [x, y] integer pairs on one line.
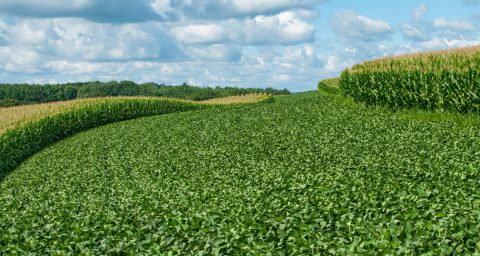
[[263, 43]]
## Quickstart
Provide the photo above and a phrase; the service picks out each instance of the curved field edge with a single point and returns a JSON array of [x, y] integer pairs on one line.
[[13, 117], [26, 139], [331, 88], [302, 176], [331, 85]]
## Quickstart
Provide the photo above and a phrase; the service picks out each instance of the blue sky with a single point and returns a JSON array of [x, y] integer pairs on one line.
[[263, 43]]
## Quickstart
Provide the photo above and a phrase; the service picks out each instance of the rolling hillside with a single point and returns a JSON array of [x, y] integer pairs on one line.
[[306, 175]]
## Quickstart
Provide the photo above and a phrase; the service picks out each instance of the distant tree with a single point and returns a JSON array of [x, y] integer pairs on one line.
[[25, 93], [9, 102]]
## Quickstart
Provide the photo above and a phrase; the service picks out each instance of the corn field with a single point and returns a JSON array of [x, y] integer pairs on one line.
[[444, 80], [331, 85], [27, 131]]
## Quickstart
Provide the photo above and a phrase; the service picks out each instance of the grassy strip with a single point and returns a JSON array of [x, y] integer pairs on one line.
[[445, 81], [330, 87], [27, 138]]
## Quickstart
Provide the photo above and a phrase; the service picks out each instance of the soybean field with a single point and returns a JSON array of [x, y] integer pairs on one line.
[[304, 175]]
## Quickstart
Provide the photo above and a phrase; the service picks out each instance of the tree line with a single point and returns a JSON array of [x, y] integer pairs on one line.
[[19, 94]]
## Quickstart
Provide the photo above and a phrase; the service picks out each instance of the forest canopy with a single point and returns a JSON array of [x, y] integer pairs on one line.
[[18, 94]]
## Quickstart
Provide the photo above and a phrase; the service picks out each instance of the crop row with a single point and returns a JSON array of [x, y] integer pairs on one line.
[[302, 176], [44, 128], [446, 80], [331, 85]]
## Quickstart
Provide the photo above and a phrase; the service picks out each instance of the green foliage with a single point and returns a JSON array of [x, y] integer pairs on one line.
[[331, 85], [21, 142], [18, 144], [329, 88], [446, 81], [25, 94], [9, 102], [303, 176]]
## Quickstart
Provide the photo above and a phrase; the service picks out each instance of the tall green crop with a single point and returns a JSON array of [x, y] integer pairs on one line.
[[446, 80]]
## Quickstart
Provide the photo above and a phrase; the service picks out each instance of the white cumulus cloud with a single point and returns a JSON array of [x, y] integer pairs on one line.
[[216, 52], [284, 28], [414, 32], [458, 25], [199, 34], [224, 9], [352, 26]]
